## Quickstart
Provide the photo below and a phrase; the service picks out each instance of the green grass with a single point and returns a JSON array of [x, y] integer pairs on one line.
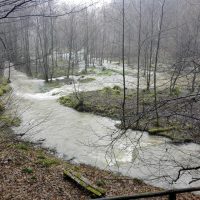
[[107, 103], [95, 101], [2, 106], [176, 91], [4, 87], [51, 85], [48, 162], [41, 156], [69, 101], [22, 146], [8, 120], [27, 170], [105, 72]]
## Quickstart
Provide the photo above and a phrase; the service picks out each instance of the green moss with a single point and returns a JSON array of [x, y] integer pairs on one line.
[[95, 191], [90, 102], [2, 106], [16, 121], [33, 178], [5, 88], [68, 101], [100, 183], [176, 91], [117, 90], [22, 146], [105, 72], [160, 130], [138, 181], [58, 71], [116, 87], [27, 170], [92, 70], [8, 120], [87, 80], [48, 162], [107, 90], [83, 72], [129, 96], [51, 85], [82, 181], [1, 92], [41, 156]]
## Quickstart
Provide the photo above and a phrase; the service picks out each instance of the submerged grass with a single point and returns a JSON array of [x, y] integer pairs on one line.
[[94, 101], [108, 102], [86, 80]]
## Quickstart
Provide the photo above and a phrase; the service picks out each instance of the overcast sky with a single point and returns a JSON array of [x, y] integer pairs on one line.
[[98, 2]]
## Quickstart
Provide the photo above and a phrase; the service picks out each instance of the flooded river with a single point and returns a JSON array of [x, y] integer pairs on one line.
[[85, 138]]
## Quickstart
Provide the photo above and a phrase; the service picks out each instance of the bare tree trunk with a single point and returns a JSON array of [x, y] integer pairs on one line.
[[124, 76], [151, 49], [156, 62], [138, 61], [86, 42]]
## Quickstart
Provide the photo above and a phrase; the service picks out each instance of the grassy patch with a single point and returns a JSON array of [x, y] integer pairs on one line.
[[22, 146], [100, 183], [69, 101], [4, 87], [59, 71], [27, 170], [90, 70], [48, 162], [95, 101], [175, 91], [8, 120], [41, 156], [51, 85], [108, 103], [86, 80], [2, 106], [138, 181], [105, 72]]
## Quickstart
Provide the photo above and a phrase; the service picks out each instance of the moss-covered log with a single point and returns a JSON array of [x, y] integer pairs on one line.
[[160, 130], [84, 182]]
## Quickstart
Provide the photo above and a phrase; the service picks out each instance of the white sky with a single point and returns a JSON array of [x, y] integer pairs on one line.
[[87, 2]]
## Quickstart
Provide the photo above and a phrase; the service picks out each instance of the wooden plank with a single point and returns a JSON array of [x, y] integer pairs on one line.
[[85, 183]]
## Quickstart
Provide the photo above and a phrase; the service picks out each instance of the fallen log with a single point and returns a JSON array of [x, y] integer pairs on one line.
[[85, 183]]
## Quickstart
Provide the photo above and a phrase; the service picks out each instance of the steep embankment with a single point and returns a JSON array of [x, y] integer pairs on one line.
[[29, 172]]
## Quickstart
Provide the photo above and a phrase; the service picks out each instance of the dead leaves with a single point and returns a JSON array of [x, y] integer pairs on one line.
[[23, 177]]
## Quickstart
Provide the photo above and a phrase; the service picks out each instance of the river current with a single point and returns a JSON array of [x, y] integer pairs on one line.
[[86, 138]]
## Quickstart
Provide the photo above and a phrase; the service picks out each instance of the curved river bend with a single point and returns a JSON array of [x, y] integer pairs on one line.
[[84, 136]]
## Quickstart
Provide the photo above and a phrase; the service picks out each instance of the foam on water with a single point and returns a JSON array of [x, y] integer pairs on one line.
[[86, 136]]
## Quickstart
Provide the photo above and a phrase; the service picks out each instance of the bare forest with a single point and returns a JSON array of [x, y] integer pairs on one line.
[[111, 87]]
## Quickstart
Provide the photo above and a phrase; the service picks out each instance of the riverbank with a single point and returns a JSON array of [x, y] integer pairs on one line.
[[65, 128], [108, 103], [32, 172]]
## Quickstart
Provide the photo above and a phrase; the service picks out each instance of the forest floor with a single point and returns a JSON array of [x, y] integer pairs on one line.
[[32, 172], [108, 103]]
